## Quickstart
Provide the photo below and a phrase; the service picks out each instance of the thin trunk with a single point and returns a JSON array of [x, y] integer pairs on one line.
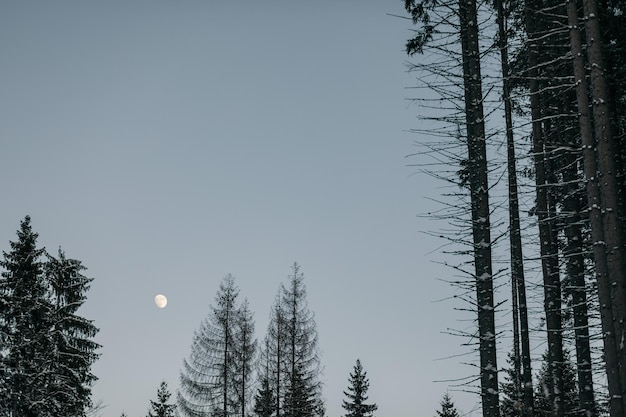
[[575, 261], [518, 287], [593, 198], [549, 261], [479, 194], [608, 193]]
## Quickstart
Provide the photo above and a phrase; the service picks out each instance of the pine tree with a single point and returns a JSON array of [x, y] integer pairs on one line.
[[357, 394], [160, 407], [447, 407]]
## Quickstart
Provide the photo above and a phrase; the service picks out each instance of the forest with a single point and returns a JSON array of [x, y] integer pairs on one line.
[[520, 114], [526, 124]]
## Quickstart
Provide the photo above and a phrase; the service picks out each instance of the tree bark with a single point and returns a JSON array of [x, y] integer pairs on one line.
[[608, 185], [479, 195]]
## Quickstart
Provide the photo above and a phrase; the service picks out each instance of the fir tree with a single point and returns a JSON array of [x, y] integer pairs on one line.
[[45, 363], [264, 401], [244, 352], [160, 407], [24, 324], [212, 375], [357, 394], [301, 365], [75, 351], [447, 407]]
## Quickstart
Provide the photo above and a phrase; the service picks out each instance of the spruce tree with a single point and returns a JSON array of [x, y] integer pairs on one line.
[[24, 325], [75, 351], [264, 402], [357, 394], [161, 407], [211, 377], [301, 366], [447, 407], [45, 363]]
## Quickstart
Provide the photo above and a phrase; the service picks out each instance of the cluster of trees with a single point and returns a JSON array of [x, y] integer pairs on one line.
[[560, 72], [46, 347], [228, 374], [219, 376]]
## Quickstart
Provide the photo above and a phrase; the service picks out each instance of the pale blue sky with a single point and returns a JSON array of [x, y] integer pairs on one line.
[[166, 144]]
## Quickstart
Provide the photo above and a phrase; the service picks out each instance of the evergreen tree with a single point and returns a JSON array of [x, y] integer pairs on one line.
[[301, 366], [24, 325], [209, 377], [447, 407], [300, 395], [244, 352], [264, 402], [160, 407], [357, 395], [75, 351], [45, 363]]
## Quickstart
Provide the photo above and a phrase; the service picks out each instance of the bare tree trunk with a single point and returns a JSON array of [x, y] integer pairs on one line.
[[518, 286], [608, 185], [479, 194], [549, 261]]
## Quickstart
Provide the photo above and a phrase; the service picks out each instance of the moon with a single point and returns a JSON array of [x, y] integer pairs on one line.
[[160, 300]]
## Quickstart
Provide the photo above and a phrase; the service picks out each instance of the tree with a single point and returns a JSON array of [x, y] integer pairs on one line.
[[356, 405], [45, 362], [75, 351], [473, 172], [160, 407], [24, 325], [301, 366], [447, 407], [219, 363], [244, 353], [264, 402]]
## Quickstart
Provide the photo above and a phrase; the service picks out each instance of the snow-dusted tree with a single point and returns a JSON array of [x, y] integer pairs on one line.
[[356, 405], [24, 324], [301, 366], [69, 385], [47, 349], [211, 377], [448, 408], [161, 407]]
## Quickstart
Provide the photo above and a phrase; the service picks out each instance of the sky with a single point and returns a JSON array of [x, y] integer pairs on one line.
[[166, 144]]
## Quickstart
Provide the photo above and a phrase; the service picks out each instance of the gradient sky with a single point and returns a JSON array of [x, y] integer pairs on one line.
[[166, 144]]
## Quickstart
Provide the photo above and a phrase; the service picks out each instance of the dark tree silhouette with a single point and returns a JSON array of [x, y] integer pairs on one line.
[[356, 405]]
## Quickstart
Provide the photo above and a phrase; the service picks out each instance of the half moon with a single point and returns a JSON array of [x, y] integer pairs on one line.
[[160, 300]]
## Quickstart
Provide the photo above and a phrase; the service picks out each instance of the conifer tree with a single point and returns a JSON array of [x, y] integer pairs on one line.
[[301, 364], [264, 402], [213, 374], [45, 363], [356, 405], [75, 351], [161, 407], [447, 407], [24, 324]]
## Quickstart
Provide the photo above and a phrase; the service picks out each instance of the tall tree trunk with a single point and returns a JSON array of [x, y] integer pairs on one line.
[[608, 192], [549, 260], [518, 286], [583, 354], [479, 195]]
